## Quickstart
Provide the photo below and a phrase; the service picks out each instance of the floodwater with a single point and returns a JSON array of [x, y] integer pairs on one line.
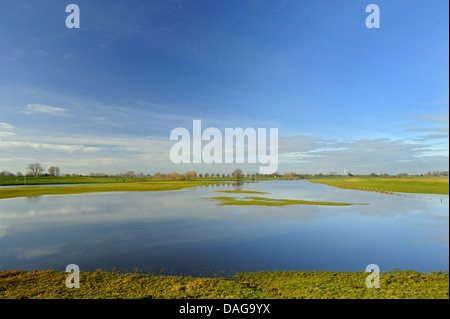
[[183, 233]]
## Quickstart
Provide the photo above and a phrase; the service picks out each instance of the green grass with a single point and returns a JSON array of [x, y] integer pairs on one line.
[[263, 201], [113, 187], [42, 180], [423, 185], [261, 285]]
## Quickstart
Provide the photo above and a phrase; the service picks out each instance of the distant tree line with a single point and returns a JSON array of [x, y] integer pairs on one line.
[[189, 176], [126, 174], [436, 173], [36, 169]]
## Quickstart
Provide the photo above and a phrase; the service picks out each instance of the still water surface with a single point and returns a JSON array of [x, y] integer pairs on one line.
[[180, 232]]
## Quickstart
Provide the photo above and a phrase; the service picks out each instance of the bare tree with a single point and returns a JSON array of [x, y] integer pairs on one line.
[[130, 174], [332, 173], [191, 175], [54, 171], [176, 177], [35, 169], [237, 174]]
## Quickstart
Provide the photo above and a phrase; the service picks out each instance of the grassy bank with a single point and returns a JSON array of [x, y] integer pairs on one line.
[[262, 285], [25, 191], [43, 180], [423, 185]]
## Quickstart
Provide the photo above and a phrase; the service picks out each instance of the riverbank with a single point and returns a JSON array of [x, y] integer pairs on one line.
[[151, 186], [261, 285], [418, 185]]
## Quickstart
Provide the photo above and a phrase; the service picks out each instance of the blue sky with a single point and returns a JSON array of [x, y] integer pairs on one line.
[[105, 97]]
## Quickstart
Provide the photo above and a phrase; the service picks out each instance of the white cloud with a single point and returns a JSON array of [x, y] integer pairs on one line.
[[303, 153], [431, 137], [6, 134], [436, 118], [311, 154], [429, 129], [45, 146], [45, 109], [5, 126], [93, 149], [5, 129]]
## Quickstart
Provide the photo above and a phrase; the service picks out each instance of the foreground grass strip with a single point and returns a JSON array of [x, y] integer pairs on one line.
[[348, 285], [421, 185], [261, 285], [82, 189], [263, 201]]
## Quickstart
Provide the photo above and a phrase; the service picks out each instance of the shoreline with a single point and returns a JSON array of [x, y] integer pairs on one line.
[[31, 191], [391, 186]]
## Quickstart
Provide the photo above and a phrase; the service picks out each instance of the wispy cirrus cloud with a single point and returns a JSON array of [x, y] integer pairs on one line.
[[429, 129], [15, 55], [436, 118], [6, 134], [362, 155], [5, 129], [301, 153], [432, 137], [438, 129], [45, 109], [45, 146], [5, 126]]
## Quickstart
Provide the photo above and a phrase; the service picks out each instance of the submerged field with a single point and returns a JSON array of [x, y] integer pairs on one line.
[[421, 185], [424, 185], [261, 285], [265, 201], [28, 191]]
